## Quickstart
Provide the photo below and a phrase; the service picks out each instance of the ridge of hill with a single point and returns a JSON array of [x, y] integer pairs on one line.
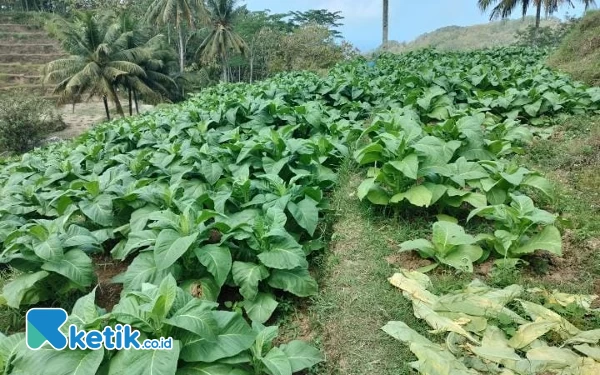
[[492, 34]]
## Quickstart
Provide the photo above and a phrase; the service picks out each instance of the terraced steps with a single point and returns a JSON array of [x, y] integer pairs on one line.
[[26, 48], [21, 68], [19, 79], [36, 58]]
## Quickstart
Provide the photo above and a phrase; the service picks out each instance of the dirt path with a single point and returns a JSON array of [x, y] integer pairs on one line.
[[84, 117], [356, 299]]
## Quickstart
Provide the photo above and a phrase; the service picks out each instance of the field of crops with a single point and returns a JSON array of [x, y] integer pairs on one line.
[[222, 199]]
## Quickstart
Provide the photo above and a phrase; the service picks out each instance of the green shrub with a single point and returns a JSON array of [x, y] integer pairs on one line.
[[25, 120], [544, 36]]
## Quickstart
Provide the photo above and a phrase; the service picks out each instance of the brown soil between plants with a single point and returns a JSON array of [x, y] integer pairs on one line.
[[108, 293]]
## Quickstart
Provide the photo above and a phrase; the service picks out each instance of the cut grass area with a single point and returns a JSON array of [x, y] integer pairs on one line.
[[356, 299]]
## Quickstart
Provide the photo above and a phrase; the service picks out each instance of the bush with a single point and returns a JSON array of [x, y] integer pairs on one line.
[[25, 120], [544, 36]]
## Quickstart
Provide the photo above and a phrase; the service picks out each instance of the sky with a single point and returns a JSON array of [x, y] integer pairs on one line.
[[408, 18]]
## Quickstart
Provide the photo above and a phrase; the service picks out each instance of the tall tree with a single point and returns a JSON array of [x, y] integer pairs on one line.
[[386, 20], [165, 12], [100, 57], [505, 8], [321, 17], [222, 38]]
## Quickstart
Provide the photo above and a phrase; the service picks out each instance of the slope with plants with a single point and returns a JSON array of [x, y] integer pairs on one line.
[[579, 53], [466, 38], [225, 192]]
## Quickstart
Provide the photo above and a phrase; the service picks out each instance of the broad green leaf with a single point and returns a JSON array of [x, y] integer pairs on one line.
[[9, 347], [212, 172], [99, 210], [539, 183], [463, 257], [143, 269], [301, 355], [365, 187], [261, 307], [235, 336], [170, 246], [284, 258], [446, 235], [75, 265], [217, 259], [548, 239], [50, 250], [63, 362], [247, 276], [196, 316], [206, 369], [15, 290], [409, 166], [418, 196], [145, 362], [277, 362], [297, 281], [85, 311], [306, 214]]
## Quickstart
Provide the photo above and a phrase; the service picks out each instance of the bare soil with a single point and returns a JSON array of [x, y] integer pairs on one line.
[[108, 293]]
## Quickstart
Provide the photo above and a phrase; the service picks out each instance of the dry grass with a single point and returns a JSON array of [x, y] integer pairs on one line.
[[579, 54]]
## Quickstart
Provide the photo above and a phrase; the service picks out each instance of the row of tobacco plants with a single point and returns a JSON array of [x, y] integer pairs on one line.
[[219, 199]]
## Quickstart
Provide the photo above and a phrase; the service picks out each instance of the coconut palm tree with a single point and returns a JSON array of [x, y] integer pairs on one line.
[[99, 59], [179, 12], [156, 84], [505, 8], [222, 39], [386, 20]]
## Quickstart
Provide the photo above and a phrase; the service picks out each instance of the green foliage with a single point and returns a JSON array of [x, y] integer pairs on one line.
[[544, 36], [208, 340], [25, 121], [450, 245], [579, 53], [450, 146], [484, 332]]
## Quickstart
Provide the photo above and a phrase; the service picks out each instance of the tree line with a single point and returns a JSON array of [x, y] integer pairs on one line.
[[160, 50]]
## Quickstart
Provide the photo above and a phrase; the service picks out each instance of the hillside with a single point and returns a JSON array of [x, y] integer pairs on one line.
[[493, 34], [579, 54], [25, 49]]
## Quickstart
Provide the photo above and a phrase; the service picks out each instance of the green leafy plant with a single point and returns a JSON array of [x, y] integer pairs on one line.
[[521, 228], [449, 245], [208, 340]]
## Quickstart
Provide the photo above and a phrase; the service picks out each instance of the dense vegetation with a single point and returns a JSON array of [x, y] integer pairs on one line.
[[579, 52], [224, 192]]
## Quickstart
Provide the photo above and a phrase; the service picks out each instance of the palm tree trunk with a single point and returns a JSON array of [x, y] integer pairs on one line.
[[225, 75], [106, 107], [538, 14], [251, 67], [130, 103], [115, 98], [137, 109], [386, 18], [181, 50]]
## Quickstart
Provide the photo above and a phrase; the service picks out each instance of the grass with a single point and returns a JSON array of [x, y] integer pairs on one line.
[[356, 299], [579, 53]]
